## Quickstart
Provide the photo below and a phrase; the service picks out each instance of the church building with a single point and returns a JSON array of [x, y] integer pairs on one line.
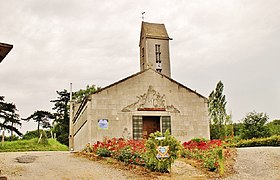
[[142, 103]]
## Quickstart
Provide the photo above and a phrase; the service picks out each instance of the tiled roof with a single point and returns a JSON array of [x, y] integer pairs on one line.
[[154, 30]]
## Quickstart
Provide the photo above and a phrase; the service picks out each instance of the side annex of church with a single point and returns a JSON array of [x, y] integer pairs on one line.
[[142, 103]]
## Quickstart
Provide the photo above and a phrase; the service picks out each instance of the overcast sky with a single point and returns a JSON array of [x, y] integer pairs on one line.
[[96, 42]]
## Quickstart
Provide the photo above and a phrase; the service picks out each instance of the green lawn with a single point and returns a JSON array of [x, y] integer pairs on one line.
[[32, 145]]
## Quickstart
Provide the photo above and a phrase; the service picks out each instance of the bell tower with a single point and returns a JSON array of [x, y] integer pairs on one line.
[[154, 48]]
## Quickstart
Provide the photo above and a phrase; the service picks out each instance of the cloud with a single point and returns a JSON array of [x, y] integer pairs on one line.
[[58, 42]]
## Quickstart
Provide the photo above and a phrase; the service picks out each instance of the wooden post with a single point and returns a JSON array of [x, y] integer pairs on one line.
[[39, 138], [3, 137]]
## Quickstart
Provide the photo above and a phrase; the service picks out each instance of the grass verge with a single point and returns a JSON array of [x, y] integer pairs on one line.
[[32, 145]]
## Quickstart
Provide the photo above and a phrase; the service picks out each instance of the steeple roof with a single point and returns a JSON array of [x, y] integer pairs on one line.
[[153, 30]]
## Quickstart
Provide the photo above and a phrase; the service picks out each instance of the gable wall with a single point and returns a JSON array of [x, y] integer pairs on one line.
[[192, 121]]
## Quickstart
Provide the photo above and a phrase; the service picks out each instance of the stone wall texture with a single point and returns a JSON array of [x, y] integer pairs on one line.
[[189, 120]]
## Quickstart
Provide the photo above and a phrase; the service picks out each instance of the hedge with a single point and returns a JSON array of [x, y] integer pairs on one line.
[[270, 141]]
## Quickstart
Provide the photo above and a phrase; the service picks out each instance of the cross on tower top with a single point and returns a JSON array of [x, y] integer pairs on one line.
[[143, 17]]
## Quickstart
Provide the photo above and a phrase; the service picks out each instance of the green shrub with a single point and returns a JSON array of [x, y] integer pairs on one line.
[[163, 164], [128, 156], [198, 140], [10, 138], [34, 134], [103, 152]]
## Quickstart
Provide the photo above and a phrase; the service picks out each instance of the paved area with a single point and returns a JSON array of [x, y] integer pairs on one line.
[[258, 163]]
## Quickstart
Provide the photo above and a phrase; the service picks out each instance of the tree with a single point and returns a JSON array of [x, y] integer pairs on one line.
[[82, 93], [237, 128], [8, 118], [217, 112], [42, 118], [254, 126], [274, 127], [13, 119], [61, 122]]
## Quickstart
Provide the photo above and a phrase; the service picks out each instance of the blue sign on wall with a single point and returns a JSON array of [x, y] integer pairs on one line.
[[103, 124]]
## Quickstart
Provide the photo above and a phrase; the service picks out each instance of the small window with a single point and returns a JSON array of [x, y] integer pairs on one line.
[[166, 123], [137, 127], [143, 52], [158, 60]]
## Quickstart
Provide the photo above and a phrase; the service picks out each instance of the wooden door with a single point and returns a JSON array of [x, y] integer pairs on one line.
[[151, 124]]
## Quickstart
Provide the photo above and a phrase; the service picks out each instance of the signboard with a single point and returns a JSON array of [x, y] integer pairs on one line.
[[162, 152], [103, 124]]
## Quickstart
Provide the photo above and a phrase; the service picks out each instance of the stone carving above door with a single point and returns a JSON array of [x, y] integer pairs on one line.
[[150, 101]]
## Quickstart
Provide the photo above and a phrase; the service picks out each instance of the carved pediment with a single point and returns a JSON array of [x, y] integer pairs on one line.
[[150, 101]]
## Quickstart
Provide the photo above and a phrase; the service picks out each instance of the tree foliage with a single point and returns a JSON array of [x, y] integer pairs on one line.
[[8, 117], [34, 134], [254, 126], [42, 118], [217, 112], [61, 122], [82, 93], [274, 127]]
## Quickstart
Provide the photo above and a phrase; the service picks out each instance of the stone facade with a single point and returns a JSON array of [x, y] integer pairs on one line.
[[142, 103], [156, 94]]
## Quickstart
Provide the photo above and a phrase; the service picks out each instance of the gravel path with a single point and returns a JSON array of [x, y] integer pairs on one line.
[[56, 165], [257, 163]]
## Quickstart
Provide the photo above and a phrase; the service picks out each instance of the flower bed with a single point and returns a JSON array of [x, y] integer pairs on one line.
[[140, 152], [210, 153], [128, 151]]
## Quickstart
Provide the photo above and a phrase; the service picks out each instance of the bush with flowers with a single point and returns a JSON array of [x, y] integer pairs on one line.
[[210, 152], [128, 151], [140, 152]]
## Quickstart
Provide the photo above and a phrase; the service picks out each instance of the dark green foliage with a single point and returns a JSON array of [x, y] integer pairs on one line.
[[237, 128], [82, 93], [198, 140], [42, 118], [34, 134], [103, 152], [274, 127], [163, 164], [128, 156], [61, 122], [10, 138], [9, 117], [217, 112], [254, 126]]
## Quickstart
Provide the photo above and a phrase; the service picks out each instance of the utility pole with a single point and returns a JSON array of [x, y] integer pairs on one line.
[[71, 129]]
